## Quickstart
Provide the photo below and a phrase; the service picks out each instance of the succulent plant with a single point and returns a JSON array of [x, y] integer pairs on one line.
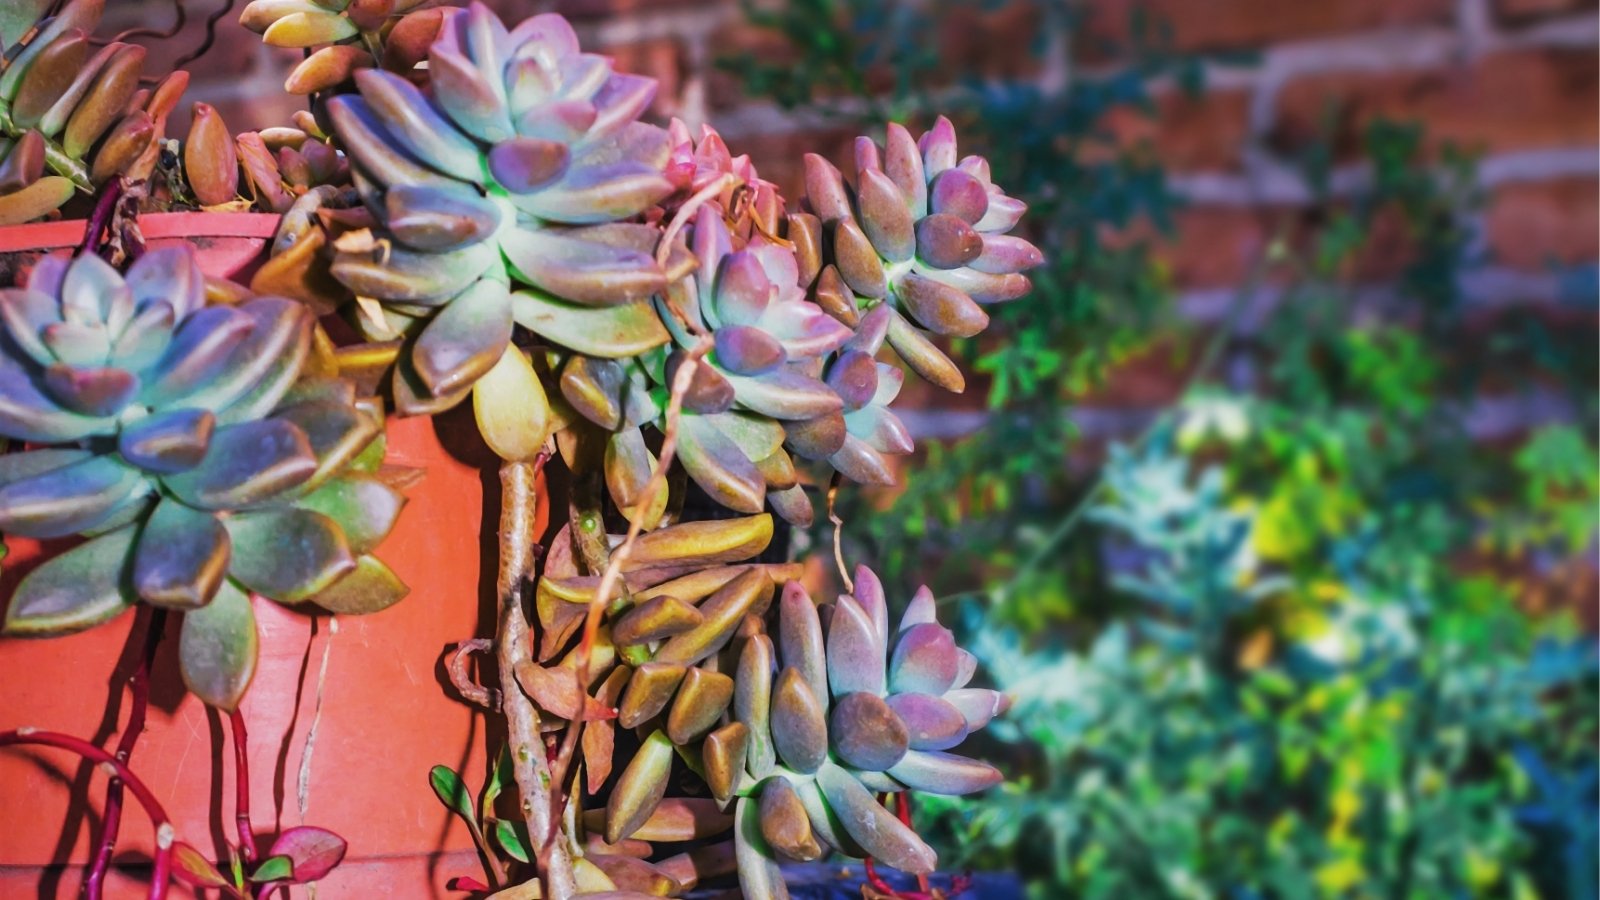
[[75, 110], [346, 34], [205, 453], [765, 332], [818, 721], [517, 163], [922, 233]]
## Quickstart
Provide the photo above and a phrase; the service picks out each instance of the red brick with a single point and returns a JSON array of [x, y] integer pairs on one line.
[[1517, 12], [1210, 246], [996, 43], [662, 60], [1239, 24], [1532, 225], [612, 9], [780, 156], [1516, 100], [1187, 132], [738, 38]]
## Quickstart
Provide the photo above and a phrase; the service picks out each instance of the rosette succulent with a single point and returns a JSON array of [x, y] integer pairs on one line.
[[925, 235], [203, 452], [821, 719], [516, 162], [72, 114], [766, 336]]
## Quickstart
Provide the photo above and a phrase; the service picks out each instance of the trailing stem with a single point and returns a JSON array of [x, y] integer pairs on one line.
[[241, 785], [513, 648], [161, 870], [154, 621]]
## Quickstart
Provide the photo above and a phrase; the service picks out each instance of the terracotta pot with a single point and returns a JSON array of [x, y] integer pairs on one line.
[[231, 245], [383, 715]]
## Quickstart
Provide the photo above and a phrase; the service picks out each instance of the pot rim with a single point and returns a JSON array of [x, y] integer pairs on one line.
[[45, 236]]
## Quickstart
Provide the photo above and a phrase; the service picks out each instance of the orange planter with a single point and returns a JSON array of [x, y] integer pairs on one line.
[[386, 714]]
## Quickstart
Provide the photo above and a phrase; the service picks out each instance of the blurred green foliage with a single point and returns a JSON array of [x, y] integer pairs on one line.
[[1277, 646]]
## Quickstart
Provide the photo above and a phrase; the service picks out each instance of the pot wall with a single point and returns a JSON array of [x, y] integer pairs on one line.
[[386, 713]]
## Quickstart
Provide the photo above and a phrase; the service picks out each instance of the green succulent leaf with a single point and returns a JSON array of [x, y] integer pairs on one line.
[[288, 555], [79, 589], [218, 646]]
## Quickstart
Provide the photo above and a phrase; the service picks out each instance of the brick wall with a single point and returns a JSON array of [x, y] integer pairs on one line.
[[1514, 80]]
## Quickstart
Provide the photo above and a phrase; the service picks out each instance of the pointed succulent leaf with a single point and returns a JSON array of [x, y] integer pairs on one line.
[[944, 773], [785, 393], [613, 332], [759, 875], [866, 733], [800, 637], [702, 698], [217, 648], [648, 692], [182, 557], [1003, 254], [655, 619], [167, 442], [874, 827], [977, 705], [858, 261], [466, 338], [747, 350], [885, 217], [433, 217], [855, 655], [411, 120], [924, 660], [68, 500], [511, 407], [784, 822], [922, 610], [799, 724], [752, 703], [715, 463], [723, 754], [583, 265], [246, 464], [723, 612], [817, 438], [287, 554], [923, 357], [370, 588], [640, 788], [79, 589], [932, 723]]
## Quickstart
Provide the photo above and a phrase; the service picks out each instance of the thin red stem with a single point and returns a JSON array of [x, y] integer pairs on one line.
[[154, 621], [105, 207], [161, 872], [241, 784]]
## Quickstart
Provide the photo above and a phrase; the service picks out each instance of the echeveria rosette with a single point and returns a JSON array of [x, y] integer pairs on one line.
[[924, 234], [821, 719], [196, 448], [767, 339], [517, 164], [750, 204]]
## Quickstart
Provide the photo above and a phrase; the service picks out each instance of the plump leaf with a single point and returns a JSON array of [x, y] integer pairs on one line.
[[182, 558], [218, 646], [288, 555], [68, 500], [191, 867], [371, 588], [511, 407], [606, 332], [451, 792], [79, 589], [314, 852]]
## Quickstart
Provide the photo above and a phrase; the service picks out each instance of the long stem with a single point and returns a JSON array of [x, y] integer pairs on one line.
[[105, 207], [154, 621], [241, 786], [165, 836], [513, 648]]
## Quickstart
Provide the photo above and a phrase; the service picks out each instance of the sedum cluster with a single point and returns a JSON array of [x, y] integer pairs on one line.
[[203, 453]]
